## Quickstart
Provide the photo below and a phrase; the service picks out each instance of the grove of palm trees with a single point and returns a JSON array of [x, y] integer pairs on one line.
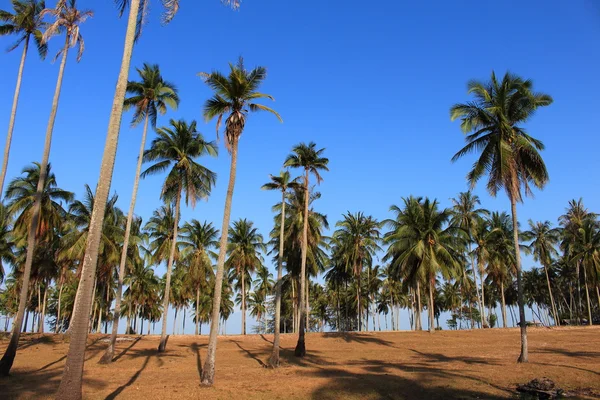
[[228, 236]]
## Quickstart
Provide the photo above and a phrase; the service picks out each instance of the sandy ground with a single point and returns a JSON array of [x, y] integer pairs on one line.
[[386, 365]]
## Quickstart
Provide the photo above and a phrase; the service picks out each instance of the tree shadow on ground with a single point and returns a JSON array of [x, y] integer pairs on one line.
[[130, 382], [436, 357], [196, 349], [343, 384], [358, 337], [568, 353], [91, 350], [249, 353], [122, 353]]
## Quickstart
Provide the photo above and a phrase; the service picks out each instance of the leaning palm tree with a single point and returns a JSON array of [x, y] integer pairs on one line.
[[234, 97], [151, 96], [544, 240], [507, 153], [244, 247], [177, 147], [26, 22], [307, 157], [68, 19], [281, 183]]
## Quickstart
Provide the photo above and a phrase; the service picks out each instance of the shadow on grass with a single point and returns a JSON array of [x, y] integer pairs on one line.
[[249, 353], [87, 350], [121, 354], [130, 382], [358, 337], [568, 353], [196, 349], [436, 357], [38, 384]]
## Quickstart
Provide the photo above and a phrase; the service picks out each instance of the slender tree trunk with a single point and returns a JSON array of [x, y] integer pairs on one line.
[[579, 308], [523, 357], [243, 301], [128, 323], [208, 372], [598, 297], [418, 325], [300, 350], [504, 324], [479, 293], [58, 324], [307, 302], [392, 310], [163, 336], [555, 314], [11, 351], [43, 312], [431, 305], [110, 350], [70, 386], [99, 327], [587, 297], [39, 307], [274, 360], [358, 308], [175, 321], [13, 114], [197, 310], [294, 306], [484, 320]]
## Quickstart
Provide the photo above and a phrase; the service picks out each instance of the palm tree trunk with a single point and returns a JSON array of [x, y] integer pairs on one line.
[[598, 296], [294, 306], [358, 308], [11, 351], [197, 310], [43, 312], [504, 324], [99, 326], [39, 307], [128, 323], [484, 321], [243, 277], [110, 350], [587, 297], [208, 372], [431, 305], [555, 314], [70, 386], [418, 325], [60, 290], [174, 321], [163, 335], [479, 294], [300, 350], [274, 359], [392, 310], [307, 302], [578, 274], [13, 115], [523, 357]]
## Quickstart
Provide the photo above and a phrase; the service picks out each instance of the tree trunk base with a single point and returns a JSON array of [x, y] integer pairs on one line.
[[274, 359], [6, 364], [108, 355], [163, 344], [300, 350]]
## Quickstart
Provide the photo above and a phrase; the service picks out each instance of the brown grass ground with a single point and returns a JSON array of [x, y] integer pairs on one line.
[[386, 365]]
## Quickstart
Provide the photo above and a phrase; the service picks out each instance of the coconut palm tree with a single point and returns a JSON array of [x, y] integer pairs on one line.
[[359, 237], [508, 154], [7, 245], [283, 183], [26, 22], [311, 160], [544, 240], [177, 147], [587, 253], [244, 249], [198, 241], [234, 97], [150, 96]]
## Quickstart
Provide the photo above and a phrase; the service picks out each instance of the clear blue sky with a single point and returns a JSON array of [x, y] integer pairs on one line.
[[372, 82]]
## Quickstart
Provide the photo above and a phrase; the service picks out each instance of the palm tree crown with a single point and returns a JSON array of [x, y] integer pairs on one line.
[[67, 18], [26, 21]]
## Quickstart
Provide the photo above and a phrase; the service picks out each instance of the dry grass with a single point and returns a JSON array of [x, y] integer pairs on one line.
[[387, 365]]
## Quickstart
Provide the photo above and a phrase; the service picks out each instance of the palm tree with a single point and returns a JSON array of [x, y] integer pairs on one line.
[[543, 239], [151, 96], [307, 157], [177, 147], [243, 249], [587, 252], [507, 153], [44, 211], [281, 183], [234, 96], [467, 215], [25, 22], [359, 237], [7, 245], [198, 241]]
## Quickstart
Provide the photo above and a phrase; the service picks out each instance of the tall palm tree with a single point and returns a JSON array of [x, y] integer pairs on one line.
[[307, 157], [283, 183], [25, 22], [467, 215], [151, 96], [359, 236], [177, 147], [508, 154], [7, 245], [198, 241], [234, 97], [244, 249], [544, 240], [68, 19]]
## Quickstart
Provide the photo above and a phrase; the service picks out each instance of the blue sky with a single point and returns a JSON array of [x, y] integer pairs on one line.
[[372, 82]]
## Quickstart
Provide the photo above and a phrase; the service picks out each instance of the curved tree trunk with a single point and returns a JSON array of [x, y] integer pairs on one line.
[[110, 350], [11, 351], [208, 372], [523, 357], [504, 323], [554, 312], [163, 336], [70, 385], [13, 115], [274, 360], [300, 350]]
